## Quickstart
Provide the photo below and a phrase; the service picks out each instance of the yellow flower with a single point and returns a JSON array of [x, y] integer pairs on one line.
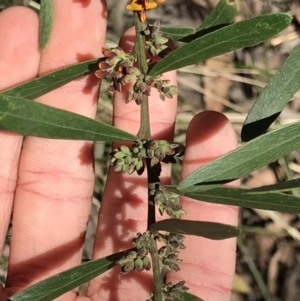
[[140, 5]]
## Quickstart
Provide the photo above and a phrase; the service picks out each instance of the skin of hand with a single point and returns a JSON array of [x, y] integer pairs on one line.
[[48, 184]]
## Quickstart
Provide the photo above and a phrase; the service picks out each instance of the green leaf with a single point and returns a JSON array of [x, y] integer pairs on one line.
[[223, 13], [284, 84], [190, 297], [242, 34], [45, 23], [55, 286], [278, 187], [215, 231], [53, 80], [177, 33], [248, 157], [241, 197], [27, 117]]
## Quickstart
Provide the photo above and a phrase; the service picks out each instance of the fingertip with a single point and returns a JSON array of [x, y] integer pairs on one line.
[[208, 265], [18, 15], [209, 135], [19, 45], [127, 40]]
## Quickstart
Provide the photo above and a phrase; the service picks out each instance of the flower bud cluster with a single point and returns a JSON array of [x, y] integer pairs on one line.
[[134, 261], [168, 255], [155, 42], [142, 87], [130, 159], [165, 89], [162, 151], [119, 64], [137, 260], [173, 292], [168, 202]]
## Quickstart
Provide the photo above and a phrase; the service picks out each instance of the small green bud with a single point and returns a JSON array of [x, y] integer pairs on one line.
[[125, 150], [162, 251], [128, 267], [154, 161], [135, 150], [169, 211], [146, 263], [139, 265], [173, 267], [131, 255], [122, 261], [119, 155]]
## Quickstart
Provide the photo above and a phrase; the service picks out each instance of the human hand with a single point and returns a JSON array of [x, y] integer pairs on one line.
[[50, 182]]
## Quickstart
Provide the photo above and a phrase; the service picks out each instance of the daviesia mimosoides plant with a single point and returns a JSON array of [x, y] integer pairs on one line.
[[121, 67], [139, 72]]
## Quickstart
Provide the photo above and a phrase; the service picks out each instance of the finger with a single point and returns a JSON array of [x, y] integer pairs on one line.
[[208, 265], [19, 62], [56, 177], [123, 210]]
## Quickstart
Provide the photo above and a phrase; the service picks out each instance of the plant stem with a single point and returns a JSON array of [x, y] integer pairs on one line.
[[139, 49], [156, 271], [145, 133], [152, 178]]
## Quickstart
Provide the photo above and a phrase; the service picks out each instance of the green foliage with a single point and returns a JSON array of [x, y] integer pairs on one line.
[[242, 197], [51, 81], [284, 84], [55, 286], [31, 118], [247, 158], [216, 35], [242, 34], [222, 15], [209, 230], [46, 23]]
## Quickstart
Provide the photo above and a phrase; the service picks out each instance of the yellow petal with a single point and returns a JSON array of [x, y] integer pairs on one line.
[[151, 5], [134, 5], [138, 5]]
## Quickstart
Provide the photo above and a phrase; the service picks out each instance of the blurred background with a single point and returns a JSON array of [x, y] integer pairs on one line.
[[268, 253]]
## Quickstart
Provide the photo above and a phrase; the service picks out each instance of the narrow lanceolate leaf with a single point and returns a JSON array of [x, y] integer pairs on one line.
[[51, 81], [27, 117], [215, 231], [284, 84], [190, 297], [177, 33], [247, 158], [278, 187], [242, 197], [55, 286], [222, 14], [45, 23], [242, 34]]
